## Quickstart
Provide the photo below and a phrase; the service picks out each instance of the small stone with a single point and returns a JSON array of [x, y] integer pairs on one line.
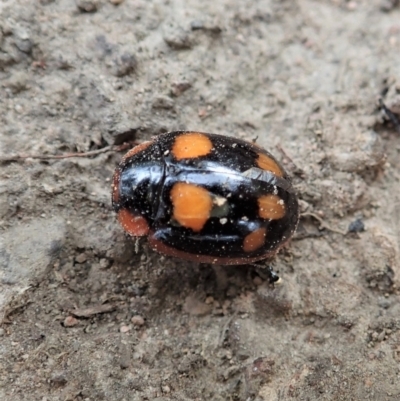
[[196, 25], [195, 307], [81, 258], [24, 45], [384, 303], [179, 87], [177, 38], [242, 354], [357, 226], [87, 6], [209, 300], [166, 389], [116, 2], [202, 113], [59, 379], [124, 65], [18, 82], [124, 329], [70, 321], [125, 355], [163, 102], [137, 320], [209, 26], [381, 335], [304, 206], [104, 263], [229, 372]]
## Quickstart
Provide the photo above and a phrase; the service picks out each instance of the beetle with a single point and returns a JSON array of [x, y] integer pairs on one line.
[[205, 197]]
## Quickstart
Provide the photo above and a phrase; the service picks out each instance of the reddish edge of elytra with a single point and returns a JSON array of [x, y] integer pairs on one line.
[[160, 247], [134, 225], [142, 146]]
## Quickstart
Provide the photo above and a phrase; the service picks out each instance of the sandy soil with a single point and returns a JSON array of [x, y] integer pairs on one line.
[[87, 314]]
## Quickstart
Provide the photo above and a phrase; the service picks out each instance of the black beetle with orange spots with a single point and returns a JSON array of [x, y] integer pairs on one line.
[[206, 198]]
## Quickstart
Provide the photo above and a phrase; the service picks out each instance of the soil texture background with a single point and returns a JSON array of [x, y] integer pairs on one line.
[[89, 314]]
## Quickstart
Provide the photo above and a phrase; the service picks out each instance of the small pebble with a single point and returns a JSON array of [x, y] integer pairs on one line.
[[177, 38], [196, 24], [209, 300], [124, 329], [196, 307], [381, 335], [357, 226], [18, 82], [166, 389], [137, 320], [24, 44], [125, 356], [81, 258], [124, 64], [104, 263], [59, 379], [70, 321], [87, 6], [179, 87], [163, 102]]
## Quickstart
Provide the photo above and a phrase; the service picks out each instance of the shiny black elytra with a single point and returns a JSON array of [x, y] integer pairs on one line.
[[205, 197]]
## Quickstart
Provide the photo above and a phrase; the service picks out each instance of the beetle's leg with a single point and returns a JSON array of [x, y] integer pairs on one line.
[[267, 272], [273, 275]]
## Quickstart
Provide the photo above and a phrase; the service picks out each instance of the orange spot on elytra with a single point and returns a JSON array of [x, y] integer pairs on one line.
[[254, 240], [268, 164], [271, 207], [137, 149], [190, 145], [192, 205], [133, 225]]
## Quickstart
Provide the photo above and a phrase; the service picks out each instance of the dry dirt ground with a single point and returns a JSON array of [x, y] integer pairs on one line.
[[88, 314]]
